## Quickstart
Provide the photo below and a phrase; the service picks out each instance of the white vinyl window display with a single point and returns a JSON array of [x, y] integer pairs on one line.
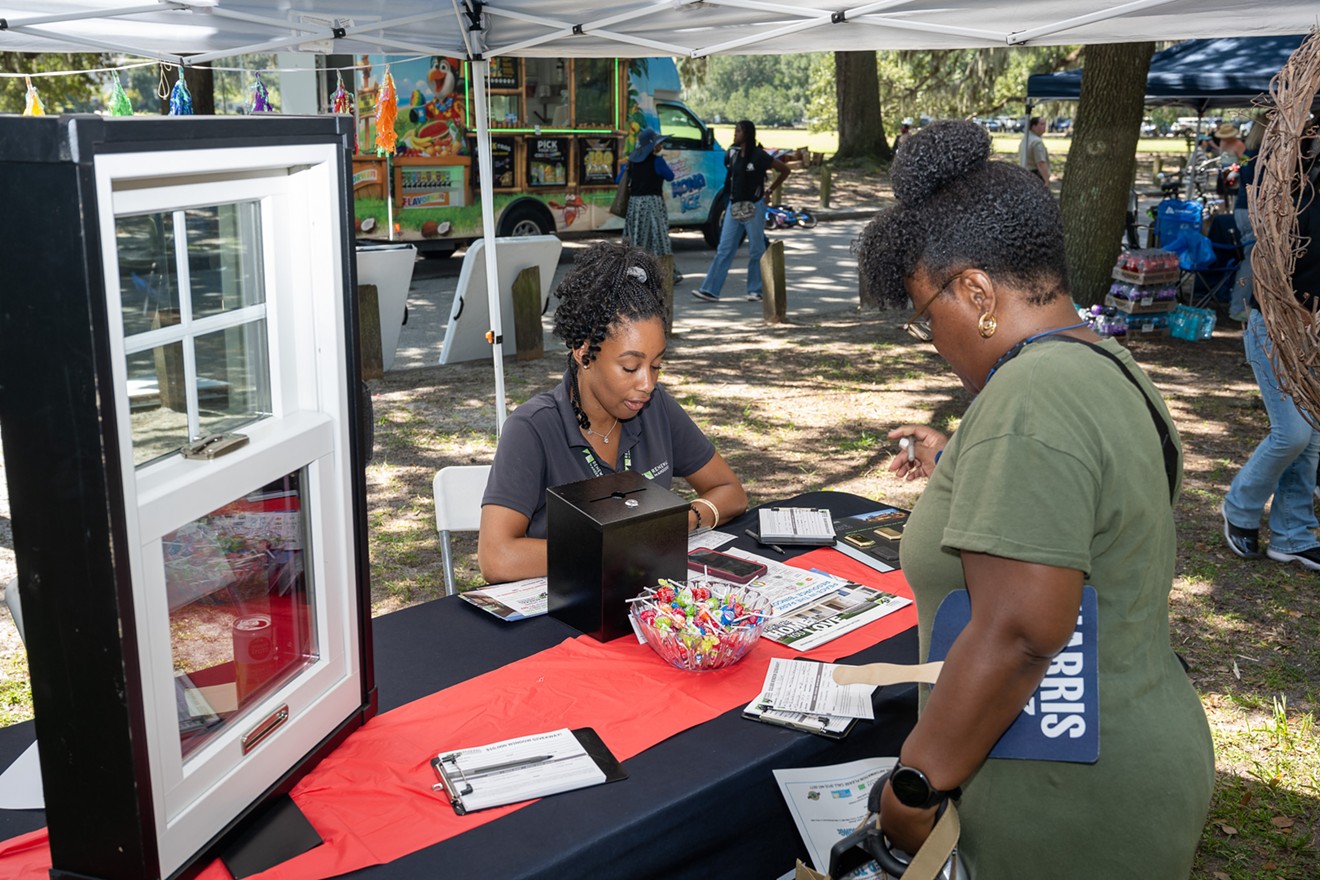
[[227, 265]]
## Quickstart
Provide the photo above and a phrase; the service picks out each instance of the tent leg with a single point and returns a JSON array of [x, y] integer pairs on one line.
[[480, 71]]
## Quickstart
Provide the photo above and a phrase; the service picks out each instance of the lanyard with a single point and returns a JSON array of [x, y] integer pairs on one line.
[[1017, 349], [595, 467]]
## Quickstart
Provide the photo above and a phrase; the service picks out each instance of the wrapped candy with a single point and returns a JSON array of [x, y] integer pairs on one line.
[[700, 626]]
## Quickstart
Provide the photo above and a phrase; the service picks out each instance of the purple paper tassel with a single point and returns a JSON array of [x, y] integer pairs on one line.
[[260, 98], [180, 98]]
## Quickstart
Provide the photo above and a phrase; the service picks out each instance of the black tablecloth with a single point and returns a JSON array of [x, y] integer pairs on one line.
[[701, 804]]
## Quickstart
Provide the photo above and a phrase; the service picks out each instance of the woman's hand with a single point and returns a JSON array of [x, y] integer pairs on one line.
[[926, 443], [906, 827]]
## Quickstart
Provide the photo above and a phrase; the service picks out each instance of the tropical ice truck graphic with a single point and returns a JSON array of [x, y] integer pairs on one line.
[[560, 129]]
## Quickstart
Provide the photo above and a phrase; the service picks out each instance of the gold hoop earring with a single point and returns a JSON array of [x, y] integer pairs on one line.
[[987, 325]]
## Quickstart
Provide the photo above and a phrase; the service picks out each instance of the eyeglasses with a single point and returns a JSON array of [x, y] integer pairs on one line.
[[919, 324]]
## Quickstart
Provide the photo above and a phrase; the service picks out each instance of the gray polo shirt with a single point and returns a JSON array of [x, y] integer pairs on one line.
[[541, 446]]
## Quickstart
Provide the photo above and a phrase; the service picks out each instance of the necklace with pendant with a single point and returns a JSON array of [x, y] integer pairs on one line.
[[605, 438]]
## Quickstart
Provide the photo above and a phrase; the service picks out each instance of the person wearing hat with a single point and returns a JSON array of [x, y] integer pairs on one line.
[[647, 222]]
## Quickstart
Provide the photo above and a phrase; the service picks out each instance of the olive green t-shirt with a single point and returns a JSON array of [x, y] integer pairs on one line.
[[1058, 462]]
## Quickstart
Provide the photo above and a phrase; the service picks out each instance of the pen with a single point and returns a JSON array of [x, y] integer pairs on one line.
[[757, 538], [507, 765], [906, 443]]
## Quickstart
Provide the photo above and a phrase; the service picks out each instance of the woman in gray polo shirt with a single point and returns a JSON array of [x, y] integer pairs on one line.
[[609, 414]]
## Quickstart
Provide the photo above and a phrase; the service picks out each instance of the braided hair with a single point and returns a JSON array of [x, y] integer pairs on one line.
[[957, 209], [610, 282]]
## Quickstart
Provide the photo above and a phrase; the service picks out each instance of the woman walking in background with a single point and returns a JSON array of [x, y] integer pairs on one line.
[[647, 223]]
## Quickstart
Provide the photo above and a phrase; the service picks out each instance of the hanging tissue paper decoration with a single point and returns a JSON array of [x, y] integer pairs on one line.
[[342, 102], [180, 98], [119, 103], [32, 103], [387, 105], [260, 98]]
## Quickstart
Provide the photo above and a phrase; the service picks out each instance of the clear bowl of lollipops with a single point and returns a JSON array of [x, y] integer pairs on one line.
[[700, 624]]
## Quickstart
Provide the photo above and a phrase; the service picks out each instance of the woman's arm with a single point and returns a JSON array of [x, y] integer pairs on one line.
[[1023, 614], [782, 169], [504, 551], [662, 168], [716, 483]]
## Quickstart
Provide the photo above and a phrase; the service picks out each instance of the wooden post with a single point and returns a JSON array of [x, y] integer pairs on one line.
[[777, 197], [774, 295], [170, 381], [527, 333], [369, 345], [824, 186], [666, 263]]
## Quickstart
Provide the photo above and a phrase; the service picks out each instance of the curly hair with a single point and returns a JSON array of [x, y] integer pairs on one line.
[[957, 209], [610, 282]]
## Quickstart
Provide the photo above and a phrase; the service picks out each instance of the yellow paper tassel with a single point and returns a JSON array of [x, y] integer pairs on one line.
[[387, 107], [32, 104]]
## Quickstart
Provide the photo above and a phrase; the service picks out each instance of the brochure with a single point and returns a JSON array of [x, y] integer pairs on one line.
[[805, 686], [513, 601], [852, 606], [828, 803]]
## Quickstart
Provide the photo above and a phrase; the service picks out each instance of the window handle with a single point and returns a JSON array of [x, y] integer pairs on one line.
[[214, 446]]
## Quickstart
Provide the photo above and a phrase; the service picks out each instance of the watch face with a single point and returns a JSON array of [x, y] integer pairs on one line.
[[911, 787]]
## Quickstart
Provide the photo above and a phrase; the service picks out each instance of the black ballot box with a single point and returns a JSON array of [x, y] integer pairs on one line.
[[608, 538]]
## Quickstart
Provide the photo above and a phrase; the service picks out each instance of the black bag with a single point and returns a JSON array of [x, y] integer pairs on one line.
[[619, 207]]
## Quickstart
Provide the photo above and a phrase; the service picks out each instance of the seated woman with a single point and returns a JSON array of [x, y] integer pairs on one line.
[[1060, 475], [609, 414]]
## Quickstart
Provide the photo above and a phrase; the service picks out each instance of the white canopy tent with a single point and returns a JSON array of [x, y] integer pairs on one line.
[[207, 30]]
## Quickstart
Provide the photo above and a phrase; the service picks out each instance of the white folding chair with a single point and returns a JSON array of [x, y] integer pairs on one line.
[[458, 492]]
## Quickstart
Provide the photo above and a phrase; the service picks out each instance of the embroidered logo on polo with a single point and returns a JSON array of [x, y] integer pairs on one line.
[[1061, 721]]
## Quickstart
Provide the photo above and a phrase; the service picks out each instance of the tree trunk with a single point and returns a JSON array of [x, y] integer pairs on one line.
[[1102, 163], [857, 96], [201, 85]]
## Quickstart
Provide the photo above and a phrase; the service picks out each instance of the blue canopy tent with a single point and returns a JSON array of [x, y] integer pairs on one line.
[[1227, 72]]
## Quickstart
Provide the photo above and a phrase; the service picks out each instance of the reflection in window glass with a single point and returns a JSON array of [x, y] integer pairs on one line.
[[233, 377], [224, 258], [148, 283], [593, 86], [677, 123], [157, 402], [241, 606]]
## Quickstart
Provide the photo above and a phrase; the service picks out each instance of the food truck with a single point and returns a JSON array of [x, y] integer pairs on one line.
[[560, 129]]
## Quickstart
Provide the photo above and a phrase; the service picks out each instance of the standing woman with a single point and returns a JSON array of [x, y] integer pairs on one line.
[[1061, 475], [647, 223], [608, 414], [745, 192]]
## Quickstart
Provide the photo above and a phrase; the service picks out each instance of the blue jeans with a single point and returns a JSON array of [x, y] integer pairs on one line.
[[1284, 463], [1242, 282], [730, 237]]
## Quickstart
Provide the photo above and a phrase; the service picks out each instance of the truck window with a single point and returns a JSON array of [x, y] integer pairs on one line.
[[677, 122], [593, 91]]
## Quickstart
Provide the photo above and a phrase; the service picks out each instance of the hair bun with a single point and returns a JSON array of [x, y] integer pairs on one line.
[[937, 154]]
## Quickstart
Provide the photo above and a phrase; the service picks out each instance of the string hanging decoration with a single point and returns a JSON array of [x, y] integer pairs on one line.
[[387, 107], [180, 98], [1282, 189], [119, 103], [260, 98], [32, 101], [341, 101]]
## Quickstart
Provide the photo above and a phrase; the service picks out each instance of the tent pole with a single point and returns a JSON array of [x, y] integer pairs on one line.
[[480, 71]]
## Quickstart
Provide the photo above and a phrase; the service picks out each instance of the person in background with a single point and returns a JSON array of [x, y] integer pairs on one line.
[[1033, 155], [904, 132], [745, 194], [1283, 467], [1246, 150], [647, 222], [609, 414], [1042, 490]]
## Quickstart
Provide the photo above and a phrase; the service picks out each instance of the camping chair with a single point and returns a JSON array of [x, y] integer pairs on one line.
[[458, 492], [1212, 283]]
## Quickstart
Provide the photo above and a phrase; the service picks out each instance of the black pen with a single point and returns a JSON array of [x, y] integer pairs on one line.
[[507, 765], [757, 538]]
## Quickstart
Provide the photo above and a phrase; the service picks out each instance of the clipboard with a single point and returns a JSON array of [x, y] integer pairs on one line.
[[519, 778], [799, 526]]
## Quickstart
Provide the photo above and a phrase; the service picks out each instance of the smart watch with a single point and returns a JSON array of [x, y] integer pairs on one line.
[[913, 789]]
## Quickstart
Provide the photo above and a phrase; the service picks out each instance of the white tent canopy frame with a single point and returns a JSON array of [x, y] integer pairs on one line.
[[198, 31]]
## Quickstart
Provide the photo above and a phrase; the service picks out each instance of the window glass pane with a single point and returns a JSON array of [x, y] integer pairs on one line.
[[593, 85], [242, 620], [157, 402], [148, 282], [233, 377], [677, 123], [224, 257]]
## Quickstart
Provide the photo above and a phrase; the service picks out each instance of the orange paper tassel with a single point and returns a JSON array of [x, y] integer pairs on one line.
[[387, 107], [32, 103]]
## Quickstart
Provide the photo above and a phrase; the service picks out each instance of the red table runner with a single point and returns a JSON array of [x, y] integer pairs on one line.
[[371, 799]]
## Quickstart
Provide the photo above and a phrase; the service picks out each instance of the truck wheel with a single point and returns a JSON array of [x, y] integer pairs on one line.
[[527, 218], [710, 230]]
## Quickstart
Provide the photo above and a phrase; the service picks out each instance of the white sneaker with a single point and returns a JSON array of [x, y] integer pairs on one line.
[[1309, 558]]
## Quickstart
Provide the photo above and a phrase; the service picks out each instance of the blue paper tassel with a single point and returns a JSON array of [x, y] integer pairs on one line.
[[180, 98]]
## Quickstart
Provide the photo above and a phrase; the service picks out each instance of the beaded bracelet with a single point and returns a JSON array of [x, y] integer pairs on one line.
[[693, 508]]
